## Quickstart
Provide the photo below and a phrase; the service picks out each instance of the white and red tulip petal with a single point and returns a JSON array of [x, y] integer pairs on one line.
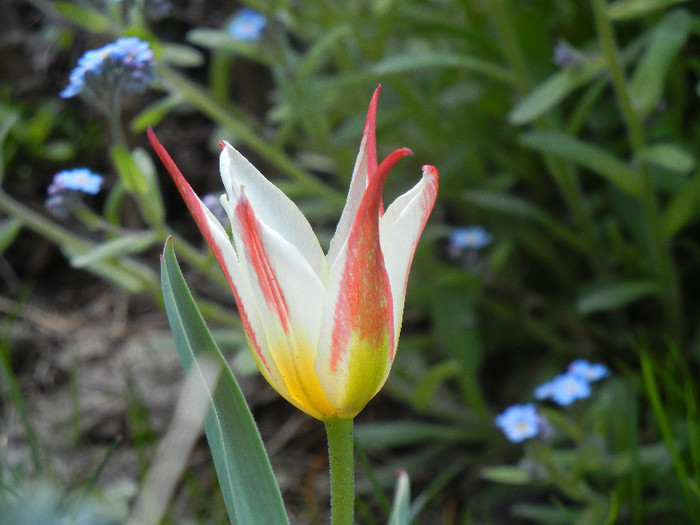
[[400, 228], [288, 296], [357, 332], [228, 259], [365, 164], [271, 206]]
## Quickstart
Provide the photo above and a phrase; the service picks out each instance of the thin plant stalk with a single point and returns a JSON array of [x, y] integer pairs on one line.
[[562, 172], [342, 469], [652, 390], [659, 245]]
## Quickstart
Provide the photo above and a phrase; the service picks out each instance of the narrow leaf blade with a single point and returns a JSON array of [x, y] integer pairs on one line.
[[128, 170], [649, 79], [631, 9], [401, 508], [670, 157], [249, 488], [586, 154], [88, 18], [554, 90], [610, 296]]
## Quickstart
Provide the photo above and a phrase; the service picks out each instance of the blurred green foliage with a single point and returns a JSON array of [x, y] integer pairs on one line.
[[569, 130]]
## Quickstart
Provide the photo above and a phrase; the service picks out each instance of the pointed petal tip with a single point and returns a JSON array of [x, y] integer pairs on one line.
[[152, 136], [430, 170], [221, 143]]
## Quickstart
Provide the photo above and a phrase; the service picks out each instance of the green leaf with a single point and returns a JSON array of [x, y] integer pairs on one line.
[[670, 157], [609, 296], [152, 202], [9, 230], [243, 468], [92, 20], [111, 272], [400, 433], [554, 90], [314, 57], [588, 155], [401, 507], [181, 55], [456, 331], [7, 120], [420, 61], [648, 81], [683, 207], [507, 474], [629, 9], [128, 170], [522, 209], [429, 383], [132, 243], [153, 114], [218, 39]]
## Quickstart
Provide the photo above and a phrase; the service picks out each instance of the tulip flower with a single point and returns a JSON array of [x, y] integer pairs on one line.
[[323, 328]]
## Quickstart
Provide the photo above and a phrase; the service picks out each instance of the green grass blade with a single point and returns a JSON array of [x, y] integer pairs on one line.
[[588, 155], [401, 510], [649, 80], [247, 481], [666, 430], [554, 90]]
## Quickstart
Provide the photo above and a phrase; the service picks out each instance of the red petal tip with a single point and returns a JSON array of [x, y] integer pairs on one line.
[[221, 143], [432, 170]]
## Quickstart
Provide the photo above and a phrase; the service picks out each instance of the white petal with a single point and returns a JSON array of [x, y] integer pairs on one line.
[[271, 206], [399, 231]]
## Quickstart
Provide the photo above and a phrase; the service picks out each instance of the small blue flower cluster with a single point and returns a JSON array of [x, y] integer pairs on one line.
[[520, 422], [127, 63], [247, 25], [66, 189], [467, 238], [574, 384]]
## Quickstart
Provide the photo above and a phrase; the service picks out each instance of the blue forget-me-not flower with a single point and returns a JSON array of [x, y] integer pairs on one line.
[[78, 179], [564, 389], [67, 187], [467, 238], [128, 64], [588, 371], [247, 25], [519, 422]]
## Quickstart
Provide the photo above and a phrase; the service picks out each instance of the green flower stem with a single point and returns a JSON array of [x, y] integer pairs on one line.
[[658, 241], [114, 115], [342, 465]]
